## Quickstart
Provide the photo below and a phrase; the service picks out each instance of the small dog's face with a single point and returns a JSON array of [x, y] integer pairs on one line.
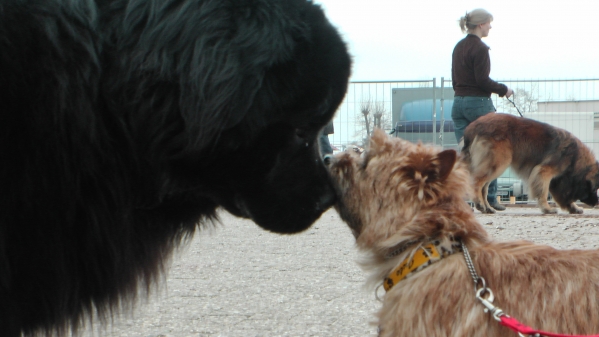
[[393, 178]]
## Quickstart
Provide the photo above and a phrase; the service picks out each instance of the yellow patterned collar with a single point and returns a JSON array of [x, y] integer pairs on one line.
[[422, 258]]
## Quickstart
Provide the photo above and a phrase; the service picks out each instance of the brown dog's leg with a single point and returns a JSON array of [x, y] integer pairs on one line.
[[489, 210], [482, 185], [573, 209], [564, 204], [488, 160], [481, 190], [540, 177]]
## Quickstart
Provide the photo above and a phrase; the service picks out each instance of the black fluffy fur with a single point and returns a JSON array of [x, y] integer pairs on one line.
[[125, 124]]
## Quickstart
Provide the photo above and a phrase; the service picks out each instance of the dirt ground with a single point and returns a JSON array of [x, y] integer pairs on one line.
[[563, 230], [239, 280]]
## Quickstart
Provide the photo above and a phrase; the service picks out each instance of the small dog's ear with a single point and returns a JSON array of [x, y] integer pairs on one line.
[[378, 138], [446, 159]]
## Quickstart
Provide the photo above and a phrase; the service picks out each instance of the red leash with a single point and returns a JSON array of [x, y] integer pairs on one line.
[[497, 313], [522, 329]]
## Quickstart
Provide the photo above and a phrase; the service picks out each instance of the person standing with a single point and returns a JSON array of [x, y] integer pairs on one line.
[[325, 144], [470, 69]]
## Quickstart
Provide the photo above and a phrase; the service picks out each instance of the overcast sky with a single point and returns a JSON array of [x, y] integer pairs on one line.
[[414, 39]]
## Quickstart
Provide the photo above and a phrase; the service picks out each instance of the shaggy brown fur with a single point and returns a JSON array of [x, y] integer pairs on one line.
[[398, 192], [548, 158]]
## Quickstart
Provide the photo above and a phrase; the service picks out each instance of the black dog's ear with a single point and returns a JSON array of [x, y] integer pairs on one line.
[[446, 159]]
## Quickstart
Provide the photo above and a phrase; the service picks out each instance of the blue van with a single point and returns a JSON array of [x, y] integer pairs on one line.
[[416, 122]]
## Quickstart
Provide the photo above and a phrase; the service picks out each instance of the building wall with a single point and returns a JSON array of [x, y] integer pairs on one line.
[[569, 106]]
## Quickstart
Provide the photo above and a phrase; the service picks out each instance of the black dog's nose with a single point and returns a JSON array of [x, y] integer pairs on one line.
[[326, 200], [327, 159]]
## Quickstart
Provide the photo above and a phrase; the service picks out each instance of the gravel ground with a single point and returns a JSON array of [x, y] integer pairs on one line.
[[239, 280]]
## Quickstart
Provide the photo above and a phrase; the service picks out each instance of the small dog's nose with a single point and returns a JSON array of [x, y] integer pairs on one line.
[[327, 159]]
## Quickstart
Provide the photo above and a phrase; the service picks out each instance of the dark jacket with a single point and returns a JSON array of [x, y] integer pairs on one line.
[[470, 69]]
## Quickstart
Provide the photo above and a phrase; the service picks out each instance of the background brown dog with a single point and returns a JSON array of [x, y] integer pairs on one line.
[[548, 158], [398, 196]]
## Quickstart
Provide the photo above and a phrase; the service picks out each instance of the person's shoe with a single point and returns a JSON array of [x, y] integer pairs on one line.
[[497, 206]]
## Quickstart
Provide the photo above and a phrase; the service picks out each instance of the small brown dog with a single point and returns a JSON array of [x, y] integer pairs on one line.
[[405, 205]]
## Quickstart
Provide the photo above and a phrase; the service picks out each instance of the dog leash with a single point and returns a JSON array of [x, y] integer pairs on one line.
[[496, 312], [514, 104]]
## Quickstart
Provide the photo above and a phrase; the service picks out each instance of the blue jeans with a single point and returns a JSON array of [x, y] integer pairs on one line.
[[465, 110], [325, 144]]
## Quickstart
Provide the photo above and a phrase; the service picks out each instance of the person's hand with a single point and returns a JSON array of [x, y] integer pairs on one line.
[[509, 93]]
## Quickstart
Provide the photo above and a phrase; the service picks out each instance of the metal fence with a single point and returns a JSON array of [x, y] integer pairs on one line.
[[421, 110], [532, 97]]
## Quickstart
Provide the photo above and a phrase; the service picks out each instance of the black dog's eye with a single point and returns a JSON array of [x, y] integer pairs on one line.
[[304, 136], [302, 133]]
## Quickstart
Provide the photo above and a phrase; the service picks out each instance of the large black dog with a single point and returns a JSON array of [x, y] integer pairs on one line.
[[126, 123]]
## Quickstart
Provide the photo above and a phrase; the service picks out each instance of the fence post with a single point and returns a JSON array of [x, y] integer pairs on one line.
[[441, 130], [434, 111]]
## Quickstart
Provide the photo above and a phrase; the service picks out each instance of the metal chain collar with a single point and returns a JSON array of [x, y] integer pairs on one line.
[[496, 312]]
